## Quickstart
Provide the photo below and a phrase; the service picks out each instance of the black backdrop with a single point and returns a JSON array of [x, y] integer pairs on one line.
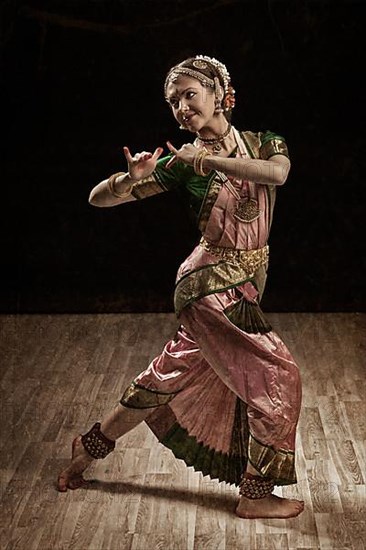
[[82, 79]]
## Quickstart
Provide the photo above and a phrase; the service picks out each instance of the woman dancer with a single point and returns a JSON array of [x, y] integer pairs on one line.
[[224, 395]]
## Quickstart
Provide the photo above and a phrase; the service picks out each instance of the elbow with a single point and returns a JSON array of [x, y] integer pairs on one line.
[[280, 180], [281, 172], [93, 200]]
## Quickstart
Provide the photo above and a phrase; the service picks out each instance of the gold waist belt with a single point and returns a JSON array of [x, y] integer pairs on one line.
[[249, 260]]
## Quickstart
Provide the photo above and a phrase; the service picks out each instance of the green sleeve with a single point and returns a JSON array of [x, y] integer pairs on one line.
[[272, 144], [161, 179]]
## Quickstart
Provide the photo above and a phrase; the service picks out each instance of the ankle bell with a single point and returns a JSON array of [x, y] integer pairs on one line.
[[97, 444], [254, 487]]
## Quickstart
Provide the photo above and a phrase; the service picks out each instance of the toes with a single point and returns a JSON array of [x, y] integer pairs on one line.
[[62, 484], [76, 483], [65, 482]]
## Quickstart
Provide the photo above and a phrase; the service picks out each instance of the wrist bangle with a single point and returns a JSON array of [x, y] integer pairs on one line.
[[111, 183], [198, 162]]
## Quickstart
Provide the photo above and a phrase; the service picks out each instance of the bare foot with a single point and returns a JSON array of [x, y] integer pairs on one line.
[[270, 506], [71, 477]]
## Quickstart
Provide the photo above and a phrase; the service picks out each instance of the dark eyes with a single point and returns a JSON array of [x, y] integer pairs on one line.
[[175, 103], [189, 95]]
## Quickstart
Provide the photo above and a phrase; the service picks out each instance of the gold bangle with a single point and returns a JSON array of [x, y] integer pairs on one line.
[[198, 162], [111, 183]]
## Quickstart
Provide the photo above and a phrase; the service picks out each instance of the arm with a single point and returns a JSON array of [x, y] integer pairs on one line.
[[269, 172], [102, 195], [270, 167], [123, 187]]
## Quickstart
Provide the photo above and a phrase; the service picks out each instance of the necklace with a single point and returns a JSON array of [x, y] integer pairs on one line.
[[216, 140]]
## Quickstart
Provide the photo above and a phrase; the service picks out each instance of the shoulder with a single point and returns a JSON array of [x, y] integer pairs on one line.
[[264, 145]]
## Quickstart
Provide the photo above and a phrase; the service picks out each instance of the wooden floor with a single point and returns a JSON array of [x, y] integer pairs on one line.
[[60, 373]]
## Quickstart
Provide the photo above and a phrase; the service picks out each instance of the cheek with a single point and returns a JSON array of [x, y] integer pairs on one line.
[[208, 100]]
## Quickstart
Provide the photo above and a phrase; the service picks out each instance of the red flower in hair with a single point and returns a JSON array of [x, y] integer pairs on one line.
[[229, 99]]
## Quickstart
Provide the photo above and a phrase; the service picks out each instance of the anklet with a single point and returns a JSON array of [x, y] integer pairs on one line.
[[97, 444], [254, 487]]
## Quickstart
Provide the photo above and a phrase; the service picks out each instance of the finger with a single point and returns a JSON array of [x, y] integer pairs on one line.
[[145, 156], [127, 154], [157, 153], [171, 148], [171, 162]]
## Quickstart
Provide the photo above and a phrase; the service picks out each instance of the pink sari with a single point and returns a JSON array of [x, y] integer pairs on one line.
[[222, 395]]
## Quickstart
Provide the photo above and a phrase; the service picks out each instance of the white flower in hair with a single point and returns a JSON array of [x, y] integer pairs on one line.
[[224, 73]]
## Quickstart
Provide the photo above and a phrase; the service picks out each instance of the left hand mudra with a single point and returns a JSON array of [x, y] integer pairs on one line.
[[186, 154]]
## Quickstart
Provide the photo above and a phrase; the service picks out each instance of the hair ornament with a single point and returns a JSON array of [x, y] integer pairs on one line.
[[220, 67], [199, 64]]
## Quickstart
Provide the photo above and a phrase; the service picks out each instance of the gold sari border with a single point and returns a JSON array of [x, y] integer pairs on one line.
[[235, 267], [137, 397], [147, 187], [207, 280], [278, 465], [209, 200], [273, 147], [252, 143]]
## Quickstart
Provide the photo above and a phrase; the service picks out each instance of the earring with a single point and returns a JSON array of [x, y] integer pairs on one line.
[[181, 127], [218, 96], [218, 108]]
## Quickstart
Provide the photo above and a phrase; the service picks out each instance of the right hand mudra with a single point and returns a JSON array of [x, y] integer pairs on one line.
[[141, 165]]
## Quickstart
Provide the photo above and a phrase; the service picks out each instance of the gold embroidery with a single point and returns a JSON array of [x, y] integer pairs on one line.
[[278, 465], [247, 210], [137, 397], [147, 187], [213, 190], [249, 260], [252, 141], [236, 267], [273, 147]]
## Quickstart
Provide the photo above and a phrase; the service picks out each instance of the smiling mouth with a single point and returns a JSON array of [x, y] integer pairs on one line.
[[187, 118]]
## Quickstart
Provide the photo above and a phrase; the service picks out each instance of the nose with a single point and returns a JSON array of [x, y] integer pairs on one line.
[[183, 106]]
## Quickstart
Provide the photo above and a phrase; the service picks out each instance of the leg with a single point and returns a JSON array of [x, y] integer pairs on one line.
[[270, 506], [169, 372], [260, 370], [120, 421]]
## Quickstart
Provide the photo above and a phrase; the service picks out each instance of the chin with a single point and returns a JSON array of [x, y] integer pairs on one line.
[[194, 127]]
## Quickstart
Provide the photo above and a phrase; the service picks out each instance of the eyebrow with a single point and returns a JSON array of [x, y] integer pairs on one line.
[[181, 93]]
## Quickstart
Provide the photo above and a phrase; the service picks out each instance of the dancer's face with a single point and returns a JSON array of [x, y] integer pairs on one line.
[[193, 105]]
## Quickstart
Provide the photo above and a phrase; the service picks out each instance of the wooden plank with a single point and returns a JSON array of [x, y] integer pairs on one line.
[[63, 372]]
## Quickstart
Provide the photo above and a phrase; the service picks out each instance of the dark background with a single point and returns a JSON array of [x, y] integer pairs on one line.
[[82, 79]]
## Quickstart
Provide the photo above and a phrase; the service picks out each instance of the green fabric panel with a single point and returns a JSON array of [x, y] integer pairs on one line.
[[169, 178], [183, 179], [203, 459], [181, 176], [248, 317], [268, 136]]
